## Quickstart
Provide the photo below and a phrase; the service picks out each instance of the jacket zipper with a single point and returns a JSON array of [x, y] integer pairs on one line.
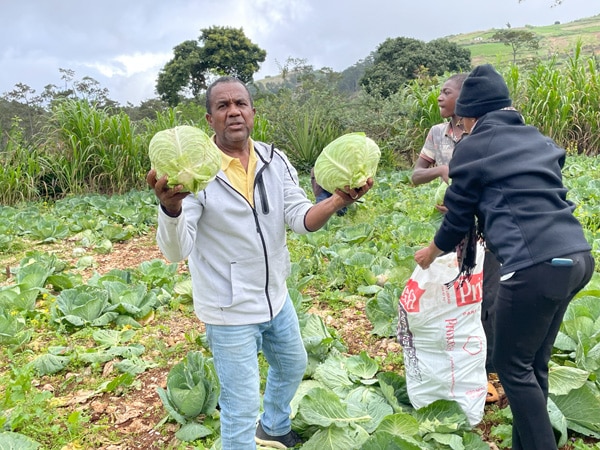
[[259, 184]]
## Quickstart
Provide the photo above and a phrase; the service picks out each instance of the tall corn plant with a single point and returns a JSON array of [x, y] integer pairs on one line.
[[19, 168], [89, 150], [70, 149], [263, 129], [424, 112], [562, 101], [123, 160], [548, 101], [584, 134]]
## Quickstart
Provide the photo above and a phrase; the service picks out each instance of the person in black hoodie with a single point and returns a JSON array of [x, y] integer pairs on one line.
[[507, 185]]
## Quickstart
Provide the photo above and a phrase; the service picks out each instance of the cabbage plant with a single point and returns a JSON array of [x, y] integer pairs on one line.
[[84, 305], [440, 193], [187, 155], [192, 388], [347, 161]]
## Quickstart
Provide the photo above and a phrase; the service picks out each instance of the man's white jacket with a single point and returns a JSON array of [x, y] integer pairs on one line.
[[237, 254]]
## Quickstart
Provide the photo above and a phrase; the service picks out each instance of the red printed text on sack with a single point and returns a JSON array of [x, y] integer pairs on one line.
[[410, 296], [469, 291]]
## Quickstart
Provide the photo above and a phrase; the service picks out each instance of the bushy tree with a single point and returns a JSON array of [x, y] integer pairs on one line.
[[401, 59], [218, 51], [448, 57], [395, 61]]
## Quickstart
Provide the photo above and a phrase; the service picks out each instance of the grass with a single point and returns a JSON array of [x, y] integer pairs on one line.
[[555, 40]]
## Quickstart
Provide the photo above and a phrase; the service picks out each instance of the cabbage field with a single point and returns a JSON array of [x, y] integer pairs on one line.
[[101, 349]]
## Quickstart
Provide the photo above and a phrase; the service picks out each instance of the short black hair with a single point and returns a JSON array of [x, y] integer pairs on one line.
[[458, 78], [225, 79]]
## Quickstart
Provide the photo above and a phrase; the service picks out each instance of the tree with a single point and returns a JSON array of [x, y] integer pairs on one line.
[[350, 81], [448, 57], [517, 40], [395, 61], [401, 59], [87, 88], [32, 109], [218, 51]]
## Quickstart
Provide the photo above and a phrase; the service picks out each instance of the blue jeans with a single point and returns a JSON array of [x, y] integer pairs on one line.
[[235, 355]]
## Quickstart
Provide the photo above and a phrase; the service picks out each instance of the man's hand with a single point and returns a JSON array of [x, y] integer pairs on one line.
[[444, 174], [350, 195], [320, 213], [170, 198]]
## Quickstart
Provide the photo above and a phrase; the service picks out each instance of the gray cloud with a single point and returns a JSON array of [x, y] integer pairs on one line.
[[123, 44]]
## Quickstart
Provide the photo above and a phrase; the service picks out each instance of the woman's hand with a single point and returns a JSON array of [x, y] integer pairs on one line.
[[425, 256], [441, 208]]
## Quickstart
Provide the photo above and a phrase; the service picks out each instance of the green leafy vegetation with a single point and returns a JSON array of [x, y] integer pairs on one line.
[[84, 148], [97, 344], [192, 390], [73, 337], [440, 192], [349, 160], [187, 155]]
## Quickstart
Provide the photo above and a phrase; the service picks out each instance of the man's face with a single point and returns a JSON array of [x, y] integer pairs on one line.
[[447, 98], [232, 116]]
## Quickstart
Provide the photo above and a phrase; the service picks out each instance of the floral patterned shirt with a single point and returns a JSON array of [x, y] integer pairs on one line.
[[439, 144]]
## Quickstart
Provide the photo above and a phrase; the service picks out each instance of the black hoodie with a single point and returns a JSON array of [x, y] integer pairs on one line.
[[508, 175]]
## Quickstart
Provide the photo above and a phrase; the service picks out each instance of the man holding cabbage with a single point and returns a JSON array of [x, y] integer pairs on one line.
[[233, 233]]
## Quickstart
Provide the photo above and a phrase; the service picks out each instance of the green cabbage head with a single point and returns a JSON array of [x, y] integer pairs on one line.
[[187, 155], [440, 192], [347, 161]]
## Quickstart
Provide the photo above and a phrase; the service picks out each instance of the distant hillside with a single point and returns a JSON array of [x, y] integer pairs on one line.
[[558, 40]]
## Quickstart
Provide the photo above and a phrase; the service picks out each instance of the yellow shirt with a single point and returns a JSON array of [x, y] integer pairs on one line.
[[241, 180]]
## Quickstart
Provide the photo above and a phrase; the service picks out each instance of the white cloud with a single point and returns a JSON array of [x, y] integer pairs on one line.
[[129, 65], [124, 44]]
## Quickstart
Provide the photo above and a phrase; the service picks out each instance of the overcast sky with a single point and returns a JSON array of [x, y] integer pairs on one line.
[[124, 43]]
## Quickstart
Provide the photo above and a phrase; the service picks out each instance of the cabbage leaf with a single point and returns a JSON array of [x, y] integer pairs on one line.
[[192, 388], [440, 193], [347, 161], [187, 155]]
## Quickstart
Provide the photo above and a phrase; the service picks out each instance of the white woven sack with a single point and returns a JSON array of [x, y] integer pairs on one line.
[[442, 336]]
